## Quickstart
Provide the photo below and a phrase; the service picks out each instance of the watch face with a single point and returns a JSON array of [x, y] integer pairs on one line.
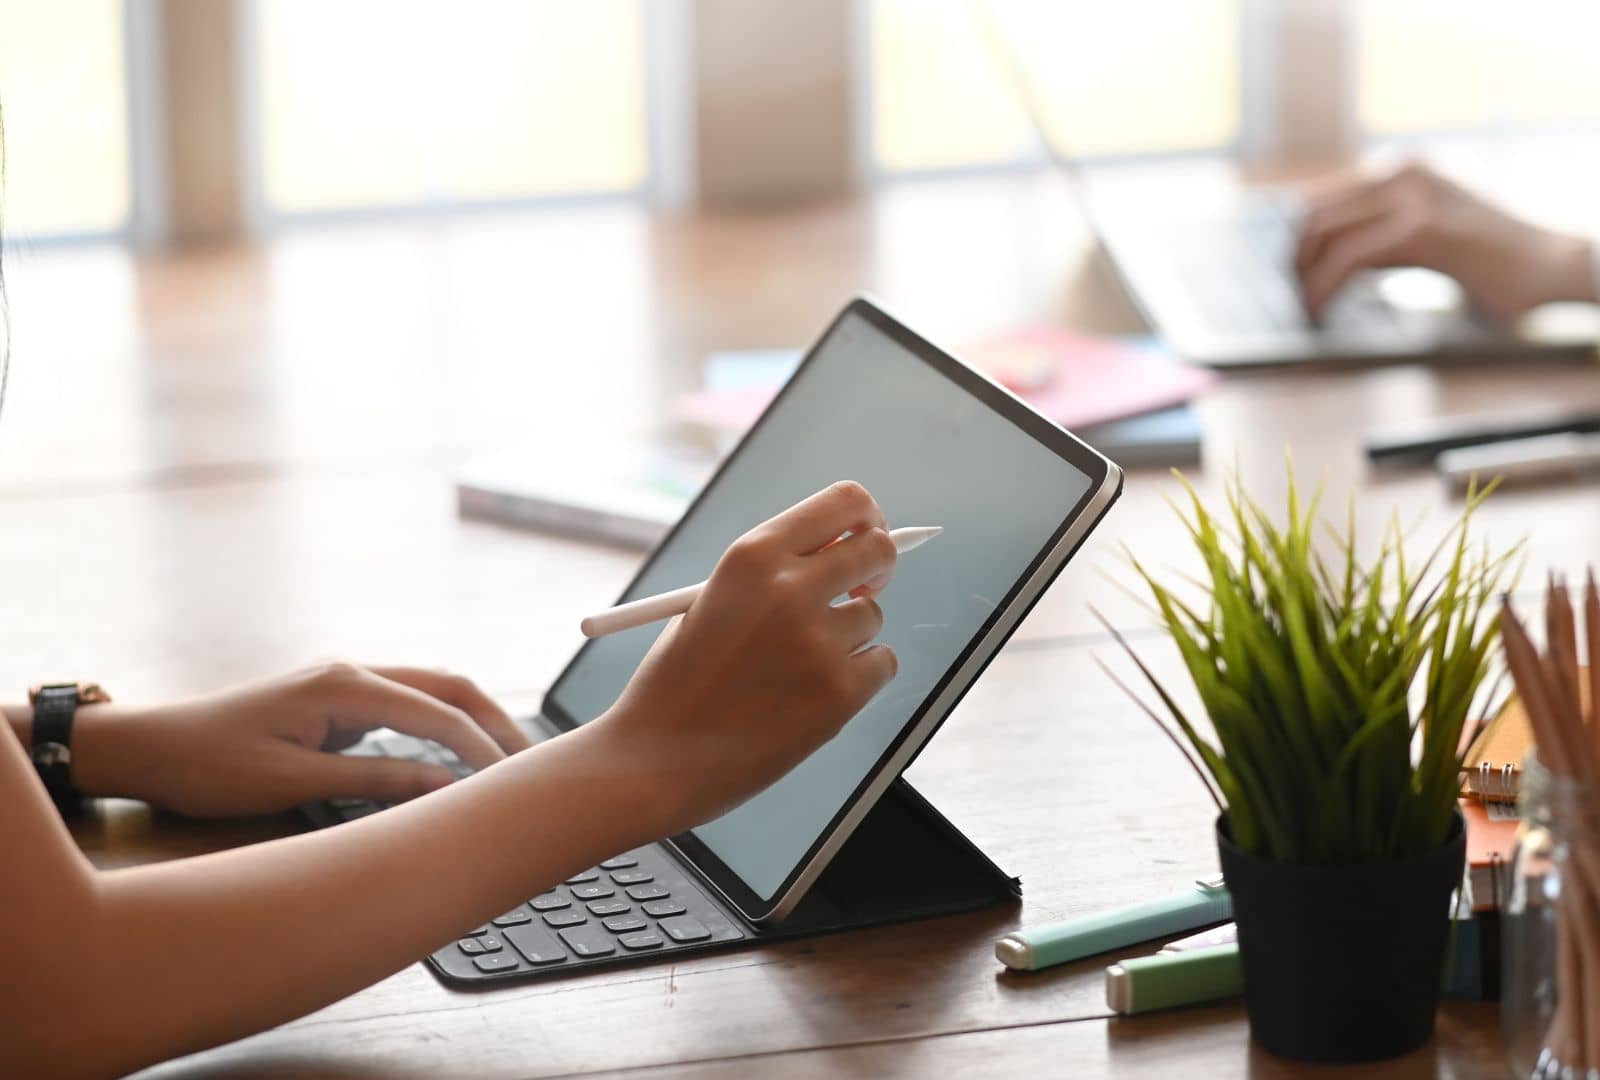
[[51, 753]]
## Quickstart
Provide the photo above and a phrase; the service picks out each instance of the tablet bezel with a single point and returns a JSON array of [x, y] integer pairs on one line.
[[1104, 486]]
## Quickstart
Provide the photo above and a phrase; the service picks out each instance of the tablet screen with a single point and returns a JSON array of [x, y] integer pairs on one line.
[[864, 406]]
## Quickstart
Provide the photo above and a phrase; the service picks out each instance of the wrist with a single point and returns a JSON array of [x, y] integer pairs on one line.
[[653, 776], [111, 751]]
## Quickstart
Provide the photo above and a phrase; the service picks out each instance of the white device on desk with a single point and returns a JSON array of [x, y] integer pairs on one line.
[[1210, 265], [935, 442], [1542, 458]]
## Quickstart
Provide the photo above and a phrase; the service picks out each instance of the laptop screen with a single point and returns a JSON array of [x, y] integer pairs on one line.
[[867, 407]]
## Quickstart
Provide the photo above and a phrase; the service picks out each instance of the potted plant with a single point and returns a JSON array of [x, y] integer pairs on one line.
[[1336, 691]]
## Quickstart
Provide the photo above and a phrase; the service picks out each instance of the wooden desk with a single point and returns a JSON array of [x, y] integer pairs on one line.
[[226, 464]]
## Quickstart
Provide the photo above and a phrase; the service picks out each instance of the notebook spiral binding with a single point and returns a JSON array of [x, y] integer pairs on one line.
[[1493, 783]]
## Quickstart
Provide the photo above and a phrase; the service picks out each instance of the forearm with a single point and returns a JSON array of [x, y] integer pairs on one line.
[[162, 967], [19, 718]]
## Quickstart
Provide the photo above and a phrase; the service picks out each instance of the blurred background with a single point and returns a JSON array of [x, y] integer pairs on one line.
[[298, 112], [282, 272]]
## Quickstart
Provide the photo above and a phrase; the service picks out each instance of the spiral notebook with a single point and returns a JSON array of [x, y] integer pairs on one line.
[[1492, 769]]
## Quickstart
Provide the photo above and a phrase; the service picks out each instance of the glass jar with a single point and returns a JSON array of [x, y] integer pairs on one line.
[[1551, 927]]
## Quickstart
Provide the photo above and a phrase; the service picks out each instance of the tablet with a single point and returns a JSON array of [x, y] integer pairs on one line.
[[936, 443]]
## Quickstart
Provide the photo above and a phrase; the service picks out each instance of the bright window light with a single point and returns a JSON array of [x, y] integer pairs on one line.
[[382, 103], [1438, 65], [1136, 76], [63, 87]]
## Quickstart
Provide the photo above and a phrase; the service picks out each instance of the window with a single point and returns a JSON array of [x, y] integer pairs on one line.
[[63, 86], [382, 103], [1432, 65], [1135, 76]]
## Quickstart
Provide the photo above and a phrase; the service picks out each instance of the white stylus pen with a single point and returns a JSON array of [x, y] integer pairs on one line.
[[665, 605]]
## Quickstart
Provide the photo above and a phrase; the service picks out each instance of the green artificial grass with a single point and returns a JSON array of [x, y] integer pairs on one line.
[[1322, 752]]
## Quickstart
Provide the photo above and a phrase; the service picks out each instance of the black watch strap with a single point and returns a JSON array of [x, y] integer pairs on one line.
[[54, 709]]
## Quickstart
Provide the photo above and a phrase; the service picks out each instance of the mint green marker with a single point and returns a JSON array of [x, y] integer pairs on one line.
[[1169, 979], [1041, 946]]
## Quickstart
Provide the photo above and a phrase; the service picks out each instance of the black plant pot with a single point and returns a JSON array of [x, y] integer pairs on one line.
[[1342, 963]]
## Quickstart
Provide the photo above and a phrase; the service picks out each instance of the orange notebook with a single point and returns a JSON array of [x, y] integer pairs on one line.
[[1492, 768], [1491, 839]]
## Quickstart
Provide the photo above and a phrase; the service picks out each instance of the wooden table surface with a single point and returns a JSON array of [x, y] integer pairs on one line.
[[224, 464]]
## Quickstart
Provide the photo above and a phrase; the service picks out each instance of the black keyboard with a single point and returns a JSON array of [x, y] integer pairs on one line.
[[627, 909]]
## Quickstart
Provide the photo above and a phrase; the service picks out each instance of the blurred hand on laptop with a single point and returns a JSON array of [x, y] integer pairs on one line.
[[1412, 216]]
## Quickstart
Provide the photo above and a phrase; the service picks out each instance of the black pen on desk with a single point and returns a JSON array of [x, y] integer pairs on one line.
[[1424, 440]]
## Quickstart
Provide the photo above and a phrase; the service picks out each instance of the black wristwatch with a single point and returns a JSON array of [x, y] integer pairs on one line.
[[55, 706]]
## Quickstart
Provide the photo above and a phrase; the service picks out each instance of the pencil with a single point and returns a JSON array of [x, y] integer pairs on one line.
[[665, 605], [1552, 689]]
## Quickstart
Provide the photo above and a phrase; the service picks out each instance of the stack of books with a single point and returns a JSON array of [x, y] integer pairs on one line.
[[1491, 777]]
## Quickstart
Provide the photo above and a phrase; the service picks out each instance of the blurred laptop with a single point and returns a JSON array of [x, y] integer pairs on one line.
[[1210, 267]]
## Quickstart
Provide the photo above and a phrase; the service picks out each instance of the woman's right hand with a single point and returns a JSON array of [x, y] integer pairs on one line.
[[764, 668]]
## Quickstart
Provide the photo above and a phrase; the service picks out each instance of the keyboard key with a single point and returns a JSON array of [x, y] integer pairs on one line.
[[501, 962], [594, 891], [390, 745], [647, 892], [549, 902], [515, 917], [660, 909], [622, 924], [632, 877], [621, 862], [490, 943], [565, 918], [608, 907], [484, 929], [588, 941], [649, 939], [471, 946], [684, 929], [579, 879], [537, 945]]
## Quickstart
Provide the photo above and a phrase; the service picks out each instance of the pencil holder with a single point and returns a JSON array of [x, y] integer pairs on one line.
[[1552, 934]]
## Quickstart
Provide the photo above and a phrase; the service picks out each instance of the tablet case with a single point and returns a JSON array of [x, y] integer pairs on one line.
[[905, 861]]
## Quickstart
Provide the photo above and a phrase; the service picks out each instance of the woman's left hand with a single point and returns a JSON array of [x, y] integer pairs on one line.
[[272, 745]]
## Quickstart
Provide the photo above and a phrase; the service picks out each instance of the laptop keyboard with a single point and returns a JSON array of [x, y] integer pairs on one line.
[[386, 743], [1239, 270], [627, 908]]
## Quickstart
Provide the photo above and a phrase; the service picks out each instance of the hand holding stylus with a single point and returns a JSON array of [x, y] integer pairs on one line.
[[767, 666], [665, 605]]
